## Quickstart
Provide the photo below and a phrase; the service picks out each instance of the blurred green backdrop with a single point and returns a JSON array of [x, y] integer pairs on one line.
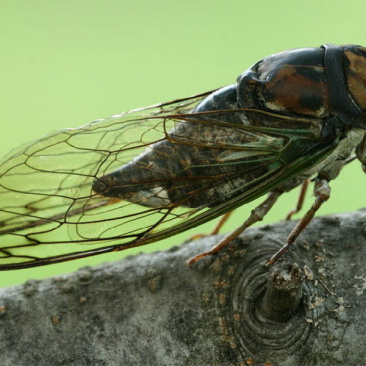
[[65, 63]]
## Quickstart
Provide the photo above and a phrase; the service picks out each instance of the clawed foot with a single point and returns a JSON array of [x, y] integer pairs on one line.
[[193, 260]]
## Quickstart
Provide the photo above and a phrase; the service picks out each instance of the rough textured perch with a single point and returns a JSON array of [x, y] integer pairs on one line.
[[153, 310], [283, 292]]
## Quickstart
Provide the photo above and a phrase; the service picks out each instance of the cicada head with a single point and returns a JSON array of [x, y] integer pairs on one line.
[[355, 72]]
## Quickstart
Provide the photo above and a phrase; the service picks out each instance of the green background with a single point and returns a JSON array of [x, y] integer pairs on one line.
[[65, 63]]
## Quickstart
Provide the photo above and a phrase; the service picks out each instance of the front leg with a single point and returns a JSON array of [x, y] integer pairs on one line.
[[361, 153], [300, 200], [322, 194], [223, 219], [256, 215]]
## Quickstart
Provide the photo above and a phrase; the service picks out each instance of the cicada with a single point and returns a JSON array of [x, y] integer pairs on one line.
[[145, 175]]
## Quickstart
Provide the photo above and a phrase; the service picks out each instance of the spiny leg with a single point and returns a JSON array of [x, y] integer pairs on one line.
[[300, 200], [322, 194], [256, 215], [221, 223], [217, 228]]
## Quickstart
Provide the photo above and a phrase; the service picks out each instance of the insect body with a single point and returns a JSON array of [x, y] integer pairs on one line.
[[145, 175]]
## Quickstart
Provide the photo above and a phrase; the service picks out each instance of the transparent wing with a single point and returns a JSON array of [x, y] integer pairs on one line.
[[139, 177]]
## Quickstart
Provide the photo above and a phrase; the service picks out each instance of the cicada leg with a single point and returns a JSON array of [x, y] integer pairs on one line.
[[216, 229], [221, 223], [300, 200], [361, 153], [322, 194], [256, 215]]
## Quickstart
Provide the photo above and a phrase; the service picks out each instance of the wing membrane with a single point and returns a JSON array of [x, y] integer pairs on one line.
[[190, 168]]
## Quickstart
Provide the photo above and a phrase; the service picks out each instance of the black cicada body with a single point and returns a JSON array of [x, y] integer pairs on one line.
[[148, 174]]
